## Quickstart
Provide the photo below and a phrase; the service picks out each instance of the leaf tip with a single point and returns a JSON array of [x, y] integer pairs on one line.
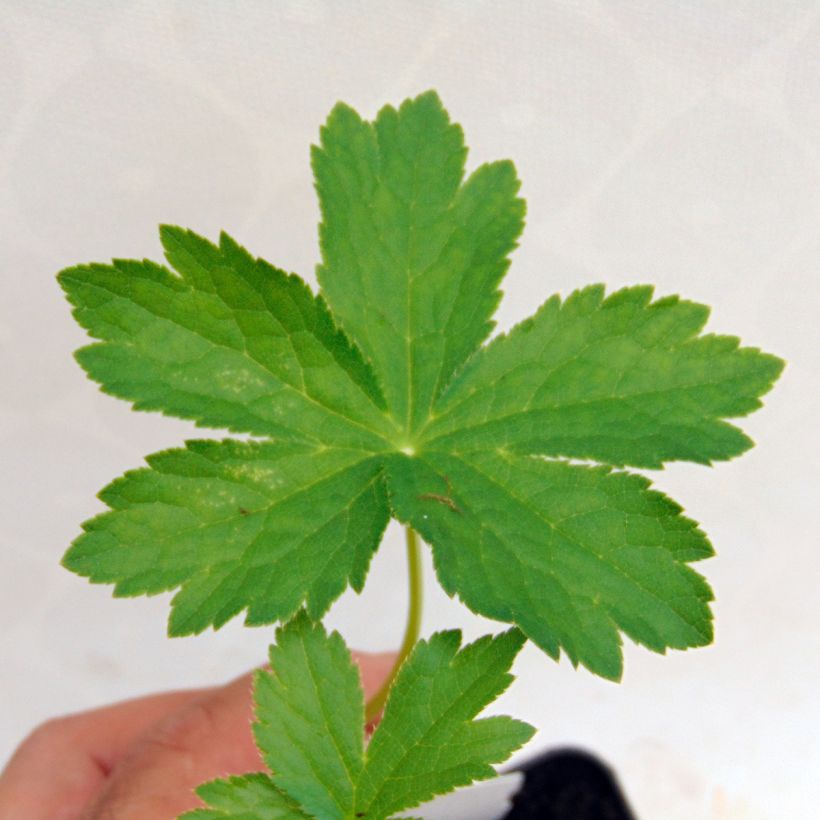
[[171, 234]]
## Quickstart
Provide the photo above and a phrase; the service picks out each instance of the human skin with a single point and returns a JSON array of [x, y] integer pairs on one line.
[[141, 758]]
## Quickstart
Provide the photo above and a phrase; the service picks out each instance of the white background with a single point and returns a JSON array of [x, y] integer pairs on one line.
[[676, 143]]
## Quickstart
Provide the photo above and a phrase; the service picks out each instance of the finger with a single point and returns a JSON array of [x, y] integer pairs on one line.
[[63, 763], [374, 669], [209, 737]]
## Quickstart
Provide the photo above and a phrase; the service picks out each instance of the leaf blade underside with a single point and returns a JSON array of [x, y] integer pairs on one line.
[[618, 379], [571, 554], [412, 258], [259, 525], [228, 341]]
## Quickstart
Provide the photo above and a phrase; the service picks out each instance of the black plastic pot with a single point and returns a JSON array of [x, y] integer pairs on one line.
[[568, 785]]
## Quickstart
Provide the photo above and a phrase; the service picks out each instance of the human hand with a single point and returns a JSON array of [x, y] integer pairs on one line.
[[141, 759]]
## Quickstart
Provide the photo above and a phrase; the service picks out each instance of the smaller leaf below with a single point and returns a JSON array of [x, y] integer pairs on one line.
[[310, 729]]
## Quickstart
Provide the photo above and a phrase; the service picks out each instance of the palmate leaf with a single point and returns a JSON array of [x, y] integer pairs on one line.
[[377, 398], [310, 727]]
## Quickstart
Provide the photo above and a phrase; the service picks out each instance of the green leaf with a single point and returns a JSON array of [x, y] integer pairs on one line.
[[251, 797], [621, 380], [310, 713], [411, 255], [388, 381], [230, 342], [428, 742], [571, 554], [261, 525]]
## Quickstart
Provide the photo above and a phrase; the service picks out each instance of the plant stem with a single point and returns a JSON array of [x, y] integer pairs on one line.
[[412, 628]]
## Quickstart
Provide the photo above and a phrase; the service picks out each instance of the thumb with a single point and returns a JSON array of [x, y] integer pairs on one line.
[[207, 738]]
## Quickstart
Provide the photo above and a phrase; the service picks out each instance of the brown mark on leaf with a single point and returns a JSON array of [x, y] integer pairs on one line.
[[243, 511], [446, 500]]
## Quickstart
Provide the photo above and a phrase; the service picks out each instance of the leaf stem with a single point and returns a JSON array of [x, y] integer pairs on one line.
[[411, 630]]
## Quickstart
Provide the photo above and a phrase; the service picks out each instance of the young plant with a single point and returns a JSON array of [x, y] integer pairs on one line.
[[380, 397]]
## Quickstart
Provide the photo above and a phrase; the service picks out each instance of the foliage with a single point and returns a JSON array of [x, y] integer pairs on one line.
[[381, 397], [310, 729]]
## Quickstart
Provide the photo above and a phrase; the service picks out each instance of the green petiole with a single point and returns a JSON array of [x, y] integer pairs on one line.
[[411, 630]]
